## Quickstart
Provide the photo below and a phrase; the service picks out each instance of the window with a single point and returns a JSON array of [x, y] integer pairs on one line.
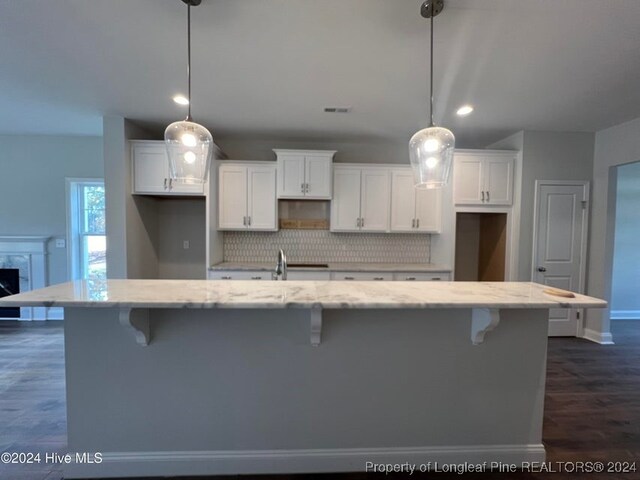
[[87, 239]]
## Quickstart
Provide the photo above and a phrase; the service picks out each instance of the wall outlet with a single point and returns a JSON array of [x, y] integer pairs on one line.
[[61, 243], [185, 244]]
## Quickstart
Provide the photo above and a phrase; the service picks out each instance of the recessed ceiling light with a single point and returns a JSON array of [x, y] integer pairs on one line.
[[181, 100], [465, 110]]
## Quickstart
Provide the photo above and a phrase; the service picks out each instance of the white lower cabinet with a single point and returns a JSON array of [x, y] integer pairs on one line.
[[239, 275], [363, 276], [317, 276], [247, 197], [422, 277]]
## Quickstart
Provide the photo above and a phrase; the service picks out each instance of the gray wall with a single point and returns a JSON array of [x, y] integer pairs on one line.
[[545, 156], [247, 148], [625, 301], [32, 187], [614, 146]]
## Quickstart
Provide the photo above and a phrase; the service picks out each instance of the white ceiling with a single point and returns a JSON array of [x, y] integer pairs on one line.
[[268, 67]]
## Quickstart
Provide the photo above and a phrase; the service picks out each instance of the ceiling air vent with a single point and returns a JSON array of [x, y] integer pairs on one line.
[[337, 109]]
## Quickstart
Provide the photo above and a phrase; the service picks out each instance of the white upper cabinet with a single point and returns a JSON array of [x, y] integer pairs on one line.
[[361, 199], [247, 197], [414, 210], [150, 172], [483, 179], [304, 174]]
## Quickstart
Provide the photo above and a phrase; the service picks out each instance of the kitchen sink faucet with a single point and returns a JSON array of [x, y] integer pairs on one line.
[[280, 272]]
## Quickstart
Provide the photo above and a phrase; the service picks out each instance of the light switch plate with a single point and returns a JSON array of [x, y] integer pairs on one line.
[[185, 244], [61, 243]]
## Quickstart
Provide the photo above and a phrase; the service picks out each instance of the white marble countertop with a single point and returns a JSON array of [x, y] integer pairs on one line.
[[336, 267], [295, 294]]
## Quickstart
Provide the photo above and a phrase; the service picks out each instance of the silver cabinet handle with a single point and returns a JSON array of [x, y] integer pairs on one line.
[[436, 279], [170, 183], [357, 222], [306, 188], [542, 269], [361, 222], [244, 221], [249, 221], [349, 278], [302, 188], [488, 199], [417, 223], [378, 278], [413, 223], [483, 195], [410, 278], [165, 183], [225, 277], [256, 278]]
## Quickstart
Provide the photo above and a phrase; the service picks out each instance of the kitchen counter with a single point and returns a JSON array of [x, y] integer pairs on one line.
[[196, 377], [295, 294], [336, 267]]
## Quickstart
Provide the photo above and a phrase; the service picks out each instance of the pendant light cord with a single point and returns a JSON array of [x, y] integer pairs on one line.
[[189, 59], [431, 69]]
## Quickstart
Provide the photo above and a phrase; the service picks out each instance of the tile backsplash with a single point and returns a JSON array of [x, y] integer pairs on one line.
[[321, 246]]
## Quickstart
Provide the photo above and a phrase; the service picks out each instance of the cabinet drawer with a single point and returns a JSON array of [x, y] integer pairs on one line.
[[362, 276], [239, 275], [422, 277]]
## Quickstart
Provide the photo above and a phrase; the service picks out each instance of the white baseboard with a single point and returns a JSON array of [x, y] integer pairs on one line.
[[603, 338], [624, 315], [143, 464]]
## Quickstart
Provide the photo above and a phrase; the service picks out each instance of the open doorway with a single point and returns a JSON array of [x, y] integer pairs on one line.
[[481, 247], [625, 302]]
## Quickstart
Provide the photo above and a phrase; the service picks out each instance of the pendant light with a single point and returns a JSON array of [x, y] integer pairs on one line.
[[189, 144], [431, 149]]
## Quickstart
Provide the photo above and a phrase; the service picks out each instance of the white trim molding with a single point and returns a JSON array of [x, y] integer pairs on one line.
[[625, 315], [603, 338], [248, 462]]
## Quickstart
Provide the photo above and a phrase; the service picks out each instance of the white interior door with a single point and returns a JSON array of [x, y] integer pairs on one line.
[[560, 245]]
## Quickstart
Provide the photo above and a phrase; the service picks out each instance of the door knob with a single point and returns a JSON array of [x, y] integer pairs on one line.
[[542, 269]]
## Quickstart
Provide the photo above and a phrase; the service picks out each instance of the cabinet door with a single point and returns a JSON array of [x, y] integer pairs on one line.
[[291, 178], [403, 200], [498, 185], [429, 210], [262, 202], [232, 197], [467, 180], [375, 200], [318, 177], [308, 275], [150, 169], [345, 206]]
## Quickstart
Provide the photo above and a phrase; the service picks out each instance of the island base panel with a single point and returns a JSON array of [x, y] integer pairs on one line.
[[223, 391]]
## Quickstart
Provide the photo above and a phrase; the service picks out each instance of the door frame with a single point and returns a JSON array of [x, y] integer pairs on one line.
[[583, 246]]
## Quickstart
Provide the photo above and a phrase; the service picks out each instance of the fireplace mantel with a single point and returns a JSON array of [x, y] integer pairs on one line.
[[33, 251]]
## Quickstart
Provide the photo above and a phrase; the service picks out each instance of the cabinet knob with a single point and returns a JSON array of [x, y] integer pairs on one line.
[[542, 269]]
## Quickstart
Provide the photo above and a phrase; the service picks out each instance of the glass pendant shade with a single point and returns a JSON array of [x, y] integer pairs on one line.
[[189, 147], [431, 154]]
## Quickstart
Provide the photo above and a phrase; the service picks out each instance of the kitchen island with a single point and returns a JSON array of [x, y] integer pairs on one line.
[[180, 377]]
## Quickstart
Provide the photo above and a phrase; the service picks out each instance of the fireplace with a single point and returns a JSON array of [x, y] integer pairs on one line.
[[9, 285]]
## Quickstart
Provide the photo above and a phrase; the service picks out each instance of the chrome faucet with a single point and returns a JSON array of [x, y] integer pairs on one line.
[[280, 272]]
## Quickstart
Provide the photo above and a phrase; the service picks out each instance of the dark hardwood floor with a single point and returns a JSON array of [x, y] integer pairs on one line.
[[592, 409]]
